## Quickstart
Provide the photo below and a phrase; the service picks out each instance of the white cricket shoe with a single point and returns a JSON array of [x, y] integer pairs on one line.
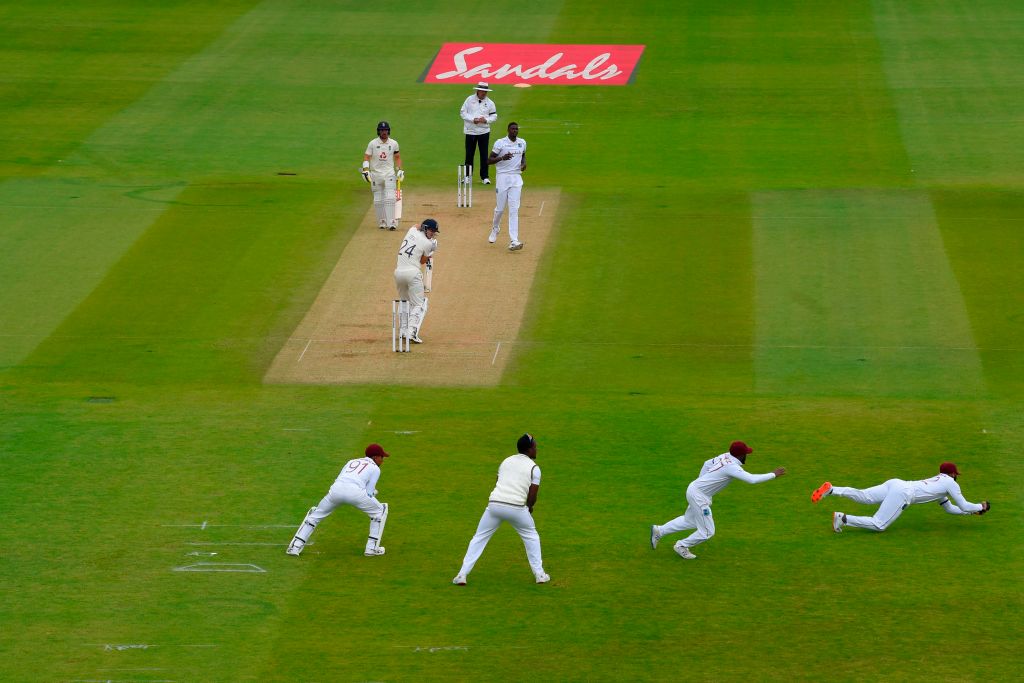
[[486, 181], [459, 580], [655, 536], [414, 336], [379, 550], [494, 235], [683, 552], [543, 578], [515, 246], [294, 552], [837, 522]]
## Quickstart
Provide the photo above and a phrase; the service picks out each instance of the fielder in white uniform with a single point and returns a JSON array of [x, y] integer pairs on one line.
[[715, 475], [355, 486], [382, 168], [511, 501], [418, 246], [895, 495], [509, 154]]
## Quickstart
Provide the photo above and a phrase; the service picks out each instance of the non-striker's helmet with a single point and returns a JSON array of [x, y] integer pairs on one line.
[[383, 125]]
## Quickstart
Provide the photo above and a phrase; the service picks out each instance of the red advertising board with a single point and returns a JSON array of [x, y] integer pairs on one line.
[[511, 63]]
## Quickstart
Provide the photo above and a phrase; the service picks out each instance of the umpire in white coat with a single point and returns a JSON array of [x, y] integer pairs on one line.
[[478, 113], [511, 501]]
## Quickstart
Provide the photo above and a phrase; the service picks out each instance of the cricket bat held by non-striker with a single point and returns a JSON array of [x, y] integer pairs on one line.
[[398, 201]]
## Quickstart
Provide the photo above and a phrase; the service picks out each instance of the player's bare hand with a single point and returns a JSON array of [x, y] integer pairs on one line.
[[779, 471], [985, 507], [508, 155]]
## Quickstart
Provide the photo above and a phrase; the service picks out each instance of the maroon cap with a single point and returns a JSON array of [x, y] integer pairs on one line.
[[740, 448], [375, 449], [950, 469]]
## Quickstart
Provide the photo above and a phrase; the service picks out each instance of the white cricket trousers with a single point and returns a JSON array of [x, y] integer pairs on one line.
[[509, 188], [697, 516], [344, 494], [520, 519], [894, 495], [384, 186], [409, 282]]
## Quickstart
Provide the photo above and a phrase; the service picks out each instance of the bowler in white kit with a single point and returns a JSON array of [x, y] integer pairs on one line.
[[509, 154], [511, 501], [356, 485], [715, 475], [896, 495]]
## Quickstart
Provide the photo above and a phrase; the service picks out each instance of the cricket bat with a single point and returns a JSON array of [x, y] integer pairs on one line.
[[398, 201], [428, 277]]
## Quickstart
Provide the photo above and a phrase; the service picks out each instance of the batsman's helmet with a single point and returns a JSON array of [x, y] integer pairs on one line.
[[430, 224], [383, 125]]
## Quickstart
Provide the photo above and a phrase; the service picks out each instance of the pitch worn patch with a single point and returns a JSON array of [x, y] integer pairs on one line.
[[476, 307]]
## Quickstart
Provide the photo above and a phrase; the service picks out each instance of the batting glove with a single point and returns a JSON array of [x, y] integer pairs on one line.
[[401, 174]]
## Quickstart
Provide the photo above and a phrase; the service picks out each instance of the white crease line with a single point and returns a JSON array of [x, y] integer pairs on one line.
[[230, 543], [203, 527], [304, 351], [495, 356], [541, 209]]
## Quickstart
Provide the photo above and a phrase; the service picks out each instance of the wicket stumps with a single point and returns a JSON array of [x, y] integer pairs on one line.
[[465, 188], [399, 322]]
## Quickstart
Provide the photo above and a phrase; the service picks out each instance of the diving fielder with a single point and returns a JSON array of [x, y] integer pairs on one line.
[[509, 154], [896, 495], [355, 486], [417, 248], [382, 168]]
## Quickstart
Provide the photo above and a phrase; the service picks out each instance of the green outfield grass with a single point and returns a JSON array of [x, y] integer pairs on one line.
[[802, 225]]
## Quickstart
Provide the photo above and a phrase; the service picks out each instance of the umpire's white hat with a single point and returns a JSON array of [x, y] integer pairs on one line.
[[482, 85]]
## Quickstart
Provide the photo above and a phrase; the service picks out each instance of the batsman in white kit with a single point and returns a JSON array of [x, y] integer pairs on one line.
[[511, 501], [355, 486], [382, 168], [416, 249], [896, 495], [509, 154], [715, 475]]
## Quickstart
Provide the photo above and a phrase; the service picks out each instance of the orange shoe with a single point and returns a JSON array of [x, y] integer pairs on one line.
[[821, 492]]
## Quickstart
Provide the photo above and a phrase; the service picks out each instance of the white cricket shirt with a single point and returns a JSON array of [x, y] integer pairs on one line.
[[939, 487], [361, 472], [718, 472], [515, 474], [382, 155], [518, 149], [414, 246]]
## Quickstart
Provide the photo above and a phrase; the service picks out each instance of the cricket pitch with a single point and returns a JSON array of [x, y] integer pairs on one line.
[[477, 304]]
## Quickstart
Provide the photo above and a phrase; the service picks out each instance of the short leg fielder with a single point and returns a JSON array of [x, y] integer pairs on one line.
[[520, 519], [509, 191], [697, 516], [409, 282], [890, 497]]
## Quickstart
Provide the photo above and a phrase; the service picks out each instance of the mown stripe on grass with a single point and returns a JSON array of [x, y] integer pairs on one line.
[[856, 296], [956, 78]]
